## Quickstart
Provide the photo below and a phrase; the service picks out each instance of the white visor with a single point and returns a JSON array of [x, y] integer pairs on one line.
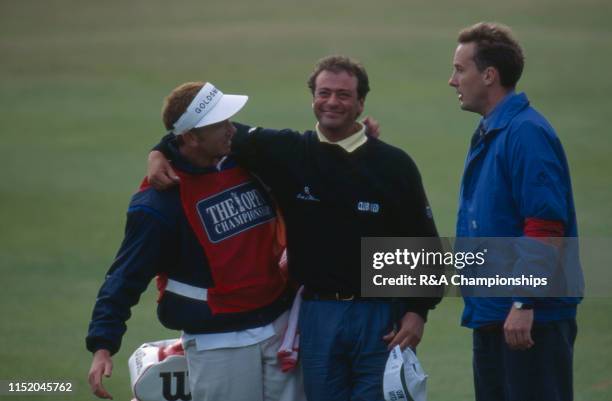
[[210, 106]]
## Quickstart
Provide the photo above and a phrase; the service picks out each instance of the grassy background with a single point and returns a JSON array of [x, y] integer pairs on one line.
[[81, 88]]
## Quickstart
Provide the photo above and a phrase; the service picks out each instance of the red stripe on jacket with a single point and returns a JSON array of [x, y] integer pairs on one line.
[[544, 230]]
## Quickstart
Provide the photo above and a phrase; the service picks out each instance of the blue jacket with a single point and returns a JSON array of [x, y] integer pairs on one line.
[[515, 169]]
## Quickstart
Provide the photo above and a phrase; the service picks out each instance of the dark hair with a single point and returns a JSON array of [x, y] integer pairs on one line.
[[177, 102], [495, 47], [338, 64]]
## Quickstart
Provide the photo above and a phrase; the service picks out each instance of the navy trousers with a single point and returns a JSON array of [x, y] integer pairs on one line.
[[541, 373], [342, 352]]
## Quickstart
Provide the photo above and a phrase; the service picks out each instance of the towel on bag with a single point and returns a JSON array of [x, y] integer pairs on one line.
[[289, 349]]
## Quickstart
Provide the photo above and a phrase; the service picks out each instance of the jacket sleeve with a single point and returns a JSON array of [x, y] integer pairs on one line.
[[140, 257], [540, 182], [540, 190], [164, 145], [417, 217], [416, 220], [263, 151]]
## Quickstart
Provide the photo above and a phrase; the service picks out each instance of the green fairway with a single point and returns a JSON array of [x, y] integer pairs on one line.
[[82, 85]]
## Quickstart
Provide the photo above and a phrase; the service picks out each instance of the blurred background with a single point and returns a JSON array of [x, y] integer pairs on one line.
[[82, 85]]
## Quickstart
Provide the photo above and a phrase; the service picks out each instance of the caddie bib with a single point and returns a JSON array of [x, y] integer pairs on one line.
[[235, 223]]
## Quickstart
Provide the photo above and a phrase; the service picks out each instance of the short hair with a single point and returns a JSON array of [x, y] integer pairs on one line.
[[177, 102], [495, 47], [338, 64]]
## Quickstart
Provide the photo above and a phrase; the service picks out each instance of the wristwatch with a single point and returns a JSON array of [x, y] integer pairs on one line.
[[522, 305]]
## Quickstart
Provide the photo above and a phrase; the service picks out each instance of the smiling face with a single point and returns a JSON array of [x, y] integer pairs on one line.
[[336, 103], [471, 84]]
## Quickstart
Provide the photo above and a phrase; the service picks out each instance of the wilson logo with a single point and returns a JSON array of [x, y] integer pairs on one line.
[[178, 392]]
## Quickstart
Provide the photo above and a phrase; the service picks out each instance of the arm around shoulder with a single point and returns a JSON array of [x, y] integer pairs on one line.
[[262, 150]]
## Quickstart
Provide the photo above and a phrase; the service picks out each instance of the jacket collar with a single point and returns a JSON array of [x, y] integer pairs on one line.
[[497, 120], [505, 111]]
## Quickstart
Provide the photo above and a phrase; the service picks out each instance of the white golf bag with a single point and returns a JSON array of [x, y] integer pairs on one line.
[[158, 372]]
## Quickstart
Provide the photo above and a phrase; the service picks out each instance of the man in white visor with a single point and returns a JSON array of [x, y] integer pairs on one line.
[[214, 244]]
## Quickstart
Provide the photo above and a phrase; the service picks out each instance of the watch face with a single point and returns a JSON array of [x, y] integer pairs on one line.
[[520, 305]]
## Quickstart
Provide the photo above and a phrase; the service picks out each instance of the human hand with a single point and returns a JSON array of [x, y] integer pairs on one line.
[[409, 334], [372, 127], [159, 172], [102, 364], [517, 329]]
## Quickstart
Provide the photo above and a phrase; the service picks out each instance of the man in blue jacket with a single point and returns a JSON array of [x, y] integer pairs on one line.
[[516, 183]]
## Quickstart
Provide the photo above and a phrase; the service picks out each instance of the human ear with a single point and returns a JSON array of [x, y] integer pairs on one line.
[[361, 105], [490, 75]]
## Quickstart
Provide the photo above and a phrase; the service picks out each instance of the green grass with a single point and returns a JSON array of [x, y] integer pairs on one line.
[[81, 89]]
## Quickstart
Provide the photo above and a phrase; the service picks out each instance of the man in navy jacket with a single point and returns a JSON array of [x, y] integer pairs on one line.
[[213, 242]]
